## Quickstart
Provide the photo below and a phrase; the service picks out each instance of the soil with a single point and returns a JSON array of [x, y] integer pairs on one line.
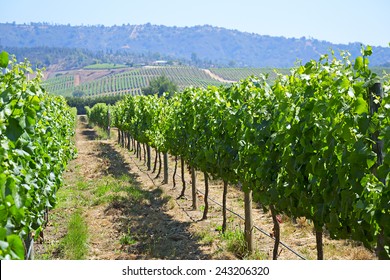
[[164, 227]]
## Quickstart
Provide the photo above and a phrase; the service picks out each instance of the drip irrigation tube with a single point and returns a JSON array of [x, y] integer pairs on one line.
[[256, 227]]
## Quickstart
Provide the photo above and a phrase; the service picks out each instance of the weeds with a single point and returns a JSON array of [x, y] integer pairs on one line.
[[127, 239], [235, 242], [75, 242]]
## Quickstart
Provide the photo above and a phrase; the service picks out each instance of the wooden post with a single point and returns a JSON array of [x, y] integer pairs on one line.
[[165, 168], [193, 183], [148, 162], [206, 196], [224, 216], [376, 95], [248, 220], [109, 123]]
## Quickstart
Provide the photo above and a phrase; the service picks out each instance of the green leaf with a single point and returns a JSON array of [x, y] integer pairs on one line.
[[16, 246], [359, 64], [14, 130], [4, 59], [367, 51], [361, 106]]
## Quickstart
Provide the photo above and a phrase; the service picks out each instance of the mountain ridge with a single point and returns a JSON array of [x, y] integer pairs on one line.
[[201, 43]]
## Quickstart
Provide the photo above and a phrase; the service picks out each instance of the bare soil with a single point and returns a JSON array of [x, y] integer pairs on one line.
[[164, 227]]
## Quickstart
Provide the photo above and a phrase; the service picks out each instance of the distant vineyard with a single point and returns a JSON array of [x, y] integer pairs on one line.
[[133, 81], [60, 85], [237, 74]]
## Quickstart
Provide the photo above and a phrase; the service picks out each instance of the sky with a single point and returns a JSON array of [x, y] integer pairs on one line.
[[337, 21]]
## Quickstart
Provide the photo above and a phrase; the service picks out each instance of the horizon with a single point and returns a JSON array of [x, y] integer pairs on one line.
[[338, 22], [198, 25]]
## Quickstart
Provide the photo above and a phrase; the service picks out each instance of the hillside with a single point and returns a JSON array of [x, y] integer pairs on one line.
[[124, 81], [197, 45], [113, 81]]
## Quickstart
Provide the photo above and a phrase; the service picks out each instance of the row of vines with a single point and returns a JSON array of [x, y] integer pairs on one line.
[[132, 82], [36, 143], [305, 146]]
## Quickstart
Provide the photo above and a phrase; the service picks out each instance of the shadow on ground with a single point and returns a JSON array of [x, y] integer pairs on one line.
[[147, 231], [90, 134]]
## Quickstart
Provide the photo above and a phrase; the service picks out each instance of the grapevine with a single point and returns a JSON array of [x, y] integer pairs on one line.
[[36, 132]]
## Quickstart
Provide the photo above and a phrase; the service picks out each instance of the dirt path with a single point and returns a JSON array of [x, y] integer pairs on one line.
[[216, 77], [131, 215]]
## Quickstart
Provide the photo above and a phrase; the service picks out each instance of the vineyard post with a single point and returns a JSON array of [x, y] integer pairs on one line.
[[248, 220], [224, 194], [109, 122], [376, 95], [206, 196], [148, 162], [193, 182], [165, 168]]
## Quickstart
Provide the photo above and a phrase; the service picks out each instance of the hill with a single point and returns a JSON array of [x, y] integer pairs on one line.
[[103, 82], [198, 45]]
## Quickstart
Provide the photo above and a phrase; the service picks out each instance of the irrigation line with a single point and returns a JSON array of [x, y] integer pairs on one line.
[[256, 227], [231, 211]]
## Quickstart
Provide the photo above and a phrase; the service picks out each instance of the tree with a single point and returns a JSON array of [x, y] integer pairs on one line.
[[159, 86], [78, 93]]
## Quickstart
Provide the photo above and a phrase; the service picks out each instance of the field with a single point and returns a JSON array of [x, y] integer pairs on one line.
[[107, 80], [110, 79], [289, 162], [130, 81], [130, 214]]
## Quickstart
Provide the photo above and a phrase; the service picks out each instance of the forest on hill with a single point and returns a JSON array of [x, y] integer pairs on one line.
[[203, 46]]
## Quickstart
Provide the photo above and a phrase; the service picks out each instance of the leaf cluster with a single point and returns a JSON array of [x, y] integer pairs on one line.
[[36, 132], [303, 144]]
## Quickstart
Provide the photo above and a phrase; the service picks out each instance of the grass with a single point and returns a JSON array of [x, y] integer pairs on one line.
[[102, 134], [127, 239], [235, 242], [75, 242], [206, 237]]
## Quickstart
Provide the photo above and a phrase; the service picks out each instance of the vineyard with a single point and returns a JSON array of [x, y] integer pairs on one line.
[[60, 85], [309, 145], [131, 82], [36, 143], [237, 74]]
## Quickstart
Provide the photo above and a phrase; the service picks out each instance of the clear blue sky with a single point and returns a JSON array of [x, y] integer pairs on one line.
[[338, 21]]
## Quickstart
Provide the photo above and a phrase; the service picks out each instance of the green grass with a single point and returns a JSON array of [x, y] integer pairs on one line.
[[127, 239], [206, 237], [235, 242], [75, 242]]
